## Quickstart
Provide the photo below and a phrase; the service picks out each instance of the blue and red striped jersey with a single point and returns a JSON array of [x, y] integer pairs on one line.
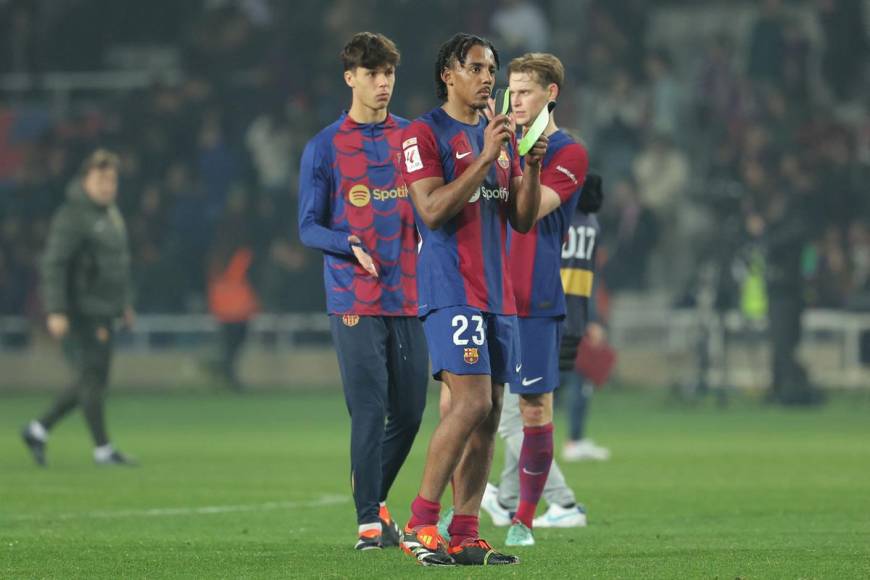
[[350, 183], [535, 257], [464, 262]]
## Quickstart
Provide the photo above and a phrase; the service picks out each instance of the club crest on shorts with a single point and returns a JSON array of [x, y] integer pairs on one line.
[[471, 355], [503, 159], [350, 319]]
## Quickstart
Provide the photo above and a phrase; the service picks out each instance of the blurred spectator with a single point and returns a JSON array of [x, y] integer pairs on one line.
[[779, 223], [717, 92], [231, 296], [634, 232], [148, 228], [219, 166], [665, 94], [187, 238], [845, 44], [620, 115], [831, 277], [662, 174], [859, 265], [18, 31], [767, 44], [270, 141], [518, 27]]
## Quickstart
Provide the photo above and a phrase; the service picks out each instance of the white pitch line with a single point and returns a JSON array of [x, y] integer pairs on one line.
[[323, 500]]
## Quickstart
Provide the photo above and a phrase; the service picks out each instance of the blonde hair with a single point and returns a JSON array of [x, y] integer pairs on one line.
[[545, 67]]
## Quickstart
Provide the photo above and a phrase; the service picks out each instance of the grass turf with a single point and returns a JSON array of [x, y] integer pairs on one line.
[[257, 487]]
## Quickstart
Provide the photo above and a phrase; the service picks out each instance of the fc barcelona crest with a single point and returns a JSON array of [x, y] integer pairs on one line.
[[350, 319], [471, 355]]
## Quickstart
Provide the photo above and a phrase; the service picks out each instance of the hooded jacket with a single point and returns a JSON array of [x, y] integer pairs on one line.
[[86, 264]]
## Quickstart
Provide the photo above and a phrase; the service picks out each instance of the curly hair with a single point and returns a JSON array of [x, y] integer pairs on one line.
[[457, 49]]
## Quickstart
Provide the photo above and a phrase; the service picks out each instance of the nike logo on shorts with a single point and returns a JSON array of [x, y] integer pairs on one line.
[[527, 382]]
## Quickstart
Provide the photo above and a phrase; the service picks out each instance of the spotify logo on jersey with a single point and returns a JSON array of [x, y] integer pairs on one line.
[[359, 195]]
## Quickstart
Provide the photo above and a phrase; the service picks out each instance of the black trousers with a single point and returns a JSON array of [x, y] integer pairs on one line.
[[384, 367], [784, 314], [88, 348], [232, 338]]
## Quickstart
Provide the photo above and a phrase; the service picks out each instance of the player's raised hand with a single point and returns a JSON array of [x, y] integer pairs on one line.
[[537, 152], [489, 111], [363, 257], [498, 132]]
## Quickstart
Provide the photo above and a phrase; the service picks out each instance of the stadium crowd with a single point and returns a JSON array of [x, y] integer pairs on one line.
[[695, 143]]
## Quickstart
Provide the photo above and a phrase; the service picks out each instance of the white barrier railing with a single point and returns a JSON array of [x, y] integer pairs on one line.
[[659, 330], [280, 329]]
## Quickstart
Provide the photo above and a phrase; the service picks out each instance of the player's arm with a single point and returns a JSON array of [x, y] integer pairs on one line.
[[65, 236], [437, 202], [561, 179], [525, 198], [314, 212], [314, 205], [550, 202]]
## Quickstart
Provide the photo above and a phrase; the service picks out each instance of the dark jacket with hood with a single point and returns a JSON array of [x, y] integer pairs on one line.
[[86, 265]]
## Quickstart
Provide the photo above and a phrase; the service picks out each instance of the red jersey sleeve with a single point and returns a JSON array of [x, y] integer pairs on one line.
[[566, 171], [420, 154]]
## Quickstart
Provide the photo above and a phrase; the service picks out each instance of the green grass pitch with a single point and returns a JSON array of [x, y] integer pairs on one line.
[[257, 487]]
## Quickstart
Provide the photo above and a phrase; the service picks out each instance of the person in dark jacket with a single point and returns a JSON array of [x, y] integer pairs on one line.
[[86, 287], [783, 228]]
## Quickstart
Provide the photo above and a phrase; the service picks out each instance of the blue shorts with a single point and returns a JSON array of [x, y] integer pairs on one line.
[[539, 338], [467, 341]]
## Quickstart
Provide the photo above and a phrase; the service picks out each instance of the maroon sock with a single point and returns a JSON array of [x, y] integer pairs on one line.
[[536, 457], [424, 512], [463, 528]]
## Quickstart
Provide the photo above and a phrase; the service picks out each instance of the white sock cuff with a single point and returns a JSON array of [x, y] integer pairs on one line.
[[103, 452], [37, 430], [367, 527]]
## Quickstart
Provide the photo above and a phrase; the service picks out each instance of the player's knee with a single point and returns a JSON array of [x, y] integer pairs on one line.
[[92, 380], [533, 415], [443, 407], [535, 411], [477, 409]]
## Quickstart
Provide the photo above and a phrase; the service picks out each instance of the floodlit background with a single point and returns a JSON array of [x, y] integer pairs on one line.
[[697, 114], [702, 116]]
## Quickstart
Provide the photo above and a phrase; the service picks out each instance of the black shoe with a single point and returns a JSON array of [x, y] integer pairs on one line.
[[390, 534], [370, 540], [36, 446], [426, 545], [117, 458], [479, 553]]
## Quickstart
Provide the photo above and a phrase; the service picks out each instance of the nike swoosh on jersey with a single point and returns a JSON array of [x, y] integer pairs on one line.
[[461, 155], [527, 472], [519, 367], [527, 382]]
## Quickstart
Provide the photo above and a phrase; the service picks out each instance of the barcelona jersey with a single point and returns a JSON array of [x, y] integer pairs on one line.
[[463, 262], [350, 184], [535, 256]]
